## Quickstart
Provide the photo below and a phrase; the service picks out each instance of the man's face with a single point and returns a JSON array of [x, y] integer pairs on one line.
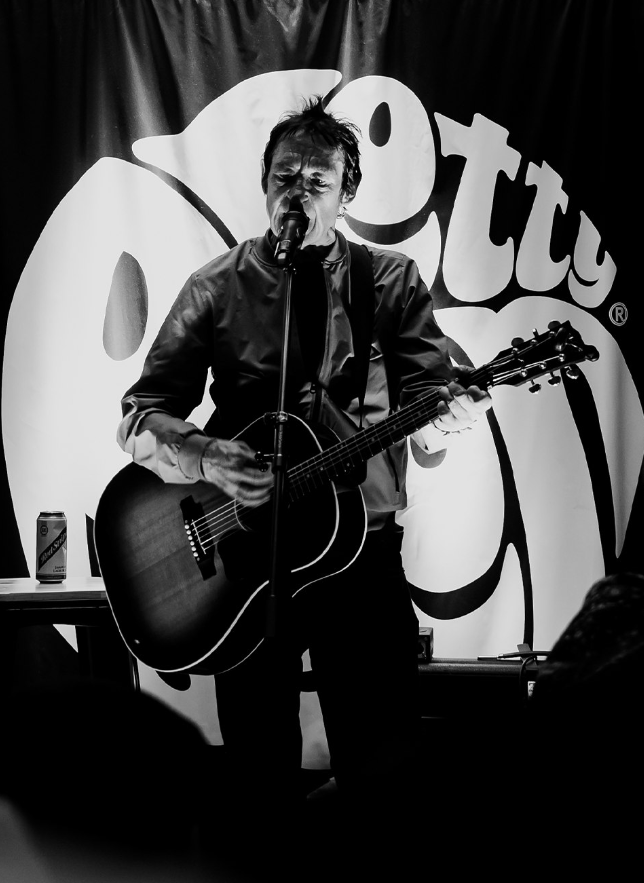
[[313, 172]]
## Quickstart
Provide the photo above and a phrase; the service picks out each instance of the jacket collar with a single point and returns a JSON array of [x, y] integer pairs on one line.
[[264, 248]]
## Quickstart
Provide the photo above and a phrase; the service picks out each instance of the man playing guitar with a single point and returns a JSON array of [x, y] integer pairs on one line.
[[226, 321]]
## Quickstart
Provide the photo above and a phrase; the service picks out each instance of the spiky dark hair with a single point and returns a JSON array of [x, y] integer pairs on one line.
[[313, 120]]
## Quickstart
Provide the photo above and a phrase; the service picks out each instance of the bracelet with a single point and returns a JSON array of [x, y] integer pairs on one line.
[[442, 431], [452, 432]]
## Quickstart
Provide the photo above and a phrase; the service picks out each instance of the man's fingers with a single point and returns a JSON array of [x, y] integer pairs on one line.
[[231, 466], [472, 396], [239, 487], [460, 407]]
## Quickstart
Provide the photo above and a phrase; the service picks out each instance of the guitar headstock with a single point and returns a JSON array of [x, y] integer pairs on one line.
[[558, 349]]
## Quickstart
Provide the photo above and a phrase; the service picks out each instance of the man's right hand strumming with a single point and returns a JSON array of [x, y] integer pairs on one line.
[[231, 466]]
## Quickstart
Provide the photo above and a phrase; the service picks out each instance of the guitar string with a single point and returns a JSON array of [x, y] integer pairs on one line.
[[225, 516], [318, 466], [222, 519]]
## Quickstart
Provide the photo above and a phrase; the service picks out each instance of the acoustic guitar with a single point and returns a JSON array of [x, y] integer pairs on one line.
[[186, 568]]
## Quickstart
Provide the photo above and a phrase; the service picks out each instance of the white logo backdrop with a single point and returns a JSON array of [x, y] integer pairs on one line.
[[61, 389]]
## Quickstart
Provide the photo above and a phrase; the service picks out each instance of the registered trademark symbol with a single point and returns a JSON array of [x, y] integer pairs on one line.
[[618, 314]]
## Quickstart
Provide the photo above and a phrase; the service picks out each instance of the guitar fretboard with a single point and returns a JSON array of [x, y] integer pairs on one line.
[[352, 452], [561, 347]]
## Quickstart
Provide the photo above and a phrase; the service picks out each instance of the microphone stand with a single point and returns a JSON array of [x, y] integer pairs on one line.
[[293, 229], [280, 661], [279, 569]]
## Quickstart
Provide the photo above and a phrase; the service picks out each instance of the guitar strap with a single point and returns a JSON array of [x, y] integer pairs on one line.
[[363, 300]]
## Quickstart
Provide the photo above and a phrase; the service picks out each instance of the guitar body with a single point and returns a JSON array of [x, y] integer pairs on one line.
[[186, 570]]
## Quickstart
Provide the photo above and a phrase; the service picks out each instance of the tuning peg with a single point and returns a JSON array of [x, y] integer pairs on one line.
[[572, 372], [534, 387], [554, 325], [518, 342], [554, 379]]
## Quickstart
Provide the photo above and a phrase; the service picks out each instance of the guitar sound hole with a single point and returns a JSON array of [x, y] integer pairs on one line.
[[253, 519]]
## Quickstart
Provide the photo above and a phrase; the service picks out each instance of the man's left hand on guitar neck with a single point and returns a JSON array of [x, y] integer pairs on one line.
[[460, 408]]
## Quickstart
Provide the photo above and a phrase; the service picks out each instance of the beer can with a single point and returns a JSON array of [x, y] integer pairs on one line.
[[51, 547]]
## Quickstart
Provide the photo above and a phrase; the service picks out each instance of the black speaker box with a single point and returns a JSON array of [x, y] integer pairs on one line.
[[481, 689]]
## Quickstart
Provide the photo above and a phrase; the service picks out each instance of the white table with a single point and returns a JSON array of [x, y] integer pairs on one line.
[[78, 601]]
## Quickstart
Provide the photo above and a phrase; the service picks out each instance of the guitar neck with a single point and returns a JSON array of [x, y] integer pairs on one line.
[[556, 351], [352, 452]]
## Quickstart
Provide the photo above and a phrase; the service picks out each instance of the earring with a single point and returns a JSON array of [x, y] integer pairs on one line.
[[342, 212]]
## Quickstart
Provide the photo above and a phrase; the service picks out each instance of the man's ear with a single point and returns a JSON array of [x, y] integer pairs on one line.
[[264, 175]]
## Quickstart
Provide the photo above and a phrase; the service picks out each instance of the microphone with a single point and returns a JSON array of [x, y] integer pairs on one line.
[[294, 224]]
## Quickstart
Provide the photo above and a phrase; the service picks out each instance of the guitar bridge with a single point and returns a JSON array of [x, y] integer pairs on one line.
[[198, 536]]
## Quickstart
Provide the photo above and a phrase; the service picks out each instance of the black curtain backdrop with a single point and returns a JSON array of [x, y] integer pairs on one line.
[[82, 80]]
